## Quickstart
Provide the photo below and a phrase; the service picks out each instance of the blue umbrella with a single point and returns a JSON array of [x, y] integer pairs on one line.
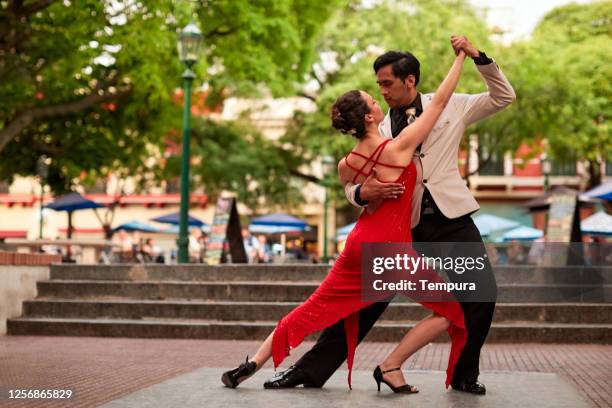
[[490, 223], [136, 226], [72, 202], [277, 223], [175, 229], [343, 232], [599, 223], [522, 234], [603, 191], [174, 218], [484, 229]]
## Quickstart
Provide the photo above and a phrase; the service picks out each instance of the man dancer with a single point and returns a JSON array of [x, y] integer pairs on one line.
[[441, 206]]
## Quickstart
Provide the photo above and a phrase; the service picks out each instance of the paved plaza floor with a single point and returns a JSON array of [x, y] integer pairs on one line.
[[506, 389], [122, 372]]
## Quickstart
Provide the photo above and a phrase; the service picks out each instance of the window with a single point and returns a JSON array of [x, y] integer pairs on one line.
[[173, 186], [564, 168], [494, 165], [99, 188]]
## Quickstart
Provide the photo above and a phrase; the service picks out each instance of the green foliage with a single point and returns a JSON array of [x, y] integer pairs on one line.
[[356, 35], [562, 79], [577, 42], [93, 115], [234, 157], [265, 42], [561, 76], [55, 62], [575, 23]]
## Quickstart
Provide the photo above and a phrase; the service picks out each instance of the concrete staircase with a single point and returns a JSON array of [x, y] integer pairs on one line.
[[547, 305]]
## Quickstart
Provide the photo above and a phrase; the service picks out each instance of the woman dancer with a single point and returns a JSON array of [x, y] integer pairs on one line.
[[339, 295]]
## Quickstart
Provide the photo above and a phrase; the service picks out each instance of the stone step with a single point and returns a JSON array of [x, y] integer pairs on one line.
[[301, 272], [286, 291], [209, 329], [235, 310]]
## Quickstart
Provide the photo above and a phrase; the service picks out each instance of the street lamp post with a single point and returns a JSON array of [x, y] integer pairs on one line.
[[546, 167], [327, 164], [189, 42], [42, 168]]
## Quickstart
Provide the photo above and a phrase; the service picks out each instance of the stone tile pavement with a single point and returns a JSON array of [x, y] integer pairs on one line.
[[544, 390], [101, 370]]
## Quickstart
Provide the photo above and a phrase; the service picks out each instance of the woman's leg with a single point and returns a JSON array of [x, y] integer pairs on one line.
[[423, 333], [244, 371], [264, 352]]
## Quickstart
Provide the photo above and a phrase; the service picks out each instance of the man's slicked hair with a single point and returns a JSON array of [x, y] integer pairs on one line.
[[402, 64]]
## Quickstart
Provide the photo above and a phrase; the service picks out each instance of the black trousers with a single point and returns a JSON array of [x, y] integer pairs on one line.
[[330, 351]]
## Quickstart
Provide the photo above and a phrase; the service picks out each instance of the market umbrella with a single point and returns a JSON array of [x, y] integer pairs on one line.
[[175, 229], [278, 224], [602, 191], [136, 226], [599, 223], [343, 232], [522, 233], [484, 229], [488, 223], [72, 202], [174, 219]]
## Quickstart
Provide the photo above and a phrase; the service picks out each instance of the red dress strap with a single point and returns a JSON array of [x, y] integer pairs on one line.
[[382, 145], [359, 171], [377, 162]]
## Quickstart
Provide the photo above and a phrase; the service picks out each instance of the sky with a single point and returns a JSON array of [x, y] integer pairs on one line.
[[517, 17]]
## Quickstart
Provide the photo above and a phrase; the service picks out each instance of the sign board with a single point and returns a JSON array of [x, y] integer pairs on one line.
[[225, 239], [563, 227]]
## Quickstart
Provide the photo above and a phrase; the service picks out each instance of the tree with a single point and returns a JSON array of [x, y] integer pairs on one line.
[[89, 83], [355, 36], [578, 38], [235, 157], [562, 79]]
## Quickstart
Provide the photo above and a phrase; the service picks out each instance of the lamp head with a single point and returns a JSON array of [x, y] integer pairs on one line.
[[189, 42]]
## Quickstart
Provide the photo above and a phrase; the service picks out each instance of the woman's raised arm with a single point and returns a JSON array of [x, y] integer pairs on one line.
[[413, 135]]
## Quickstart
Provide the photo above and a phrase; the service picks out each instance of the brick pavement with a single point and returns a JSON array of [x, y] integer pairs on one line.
[[103, 369]]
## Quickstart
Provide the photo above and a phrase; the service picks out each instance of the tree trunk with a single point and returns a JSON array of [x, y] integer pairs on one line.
[[594, 174]]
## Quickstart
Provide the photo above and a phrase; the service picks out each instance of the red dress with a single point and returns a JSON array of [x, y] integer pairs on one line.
[[339, 295]]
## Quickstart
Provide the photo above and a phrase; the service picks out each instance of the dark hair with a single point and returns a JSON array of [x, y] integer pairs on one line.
[[347, 114], [402, 64]]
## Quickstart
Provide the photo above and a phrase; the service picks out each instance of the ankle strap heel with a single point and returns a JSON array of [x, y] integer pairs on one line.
[[404, 389]]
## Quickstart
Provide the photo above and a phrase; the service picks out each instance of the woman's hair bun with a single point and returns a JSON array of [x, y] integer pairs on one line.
[[347, 114]]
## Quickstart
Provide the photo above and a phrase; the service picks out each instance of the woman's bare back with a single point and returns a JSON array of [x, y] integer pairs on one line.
[[388, 162]]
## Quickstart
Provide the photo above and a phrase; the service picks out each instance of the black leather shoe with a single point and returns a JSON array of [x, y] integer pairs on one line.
[[234, 377], [290, 378], [471, 387]]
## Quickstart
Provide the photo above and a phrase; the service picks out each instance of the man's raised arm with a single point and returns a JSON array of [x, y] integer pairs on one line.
[[500, 93]]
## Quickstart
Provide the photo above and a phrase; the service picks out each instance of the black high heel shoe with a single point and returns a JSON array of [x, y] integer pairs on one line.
[[234, 377], [404, 389]]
